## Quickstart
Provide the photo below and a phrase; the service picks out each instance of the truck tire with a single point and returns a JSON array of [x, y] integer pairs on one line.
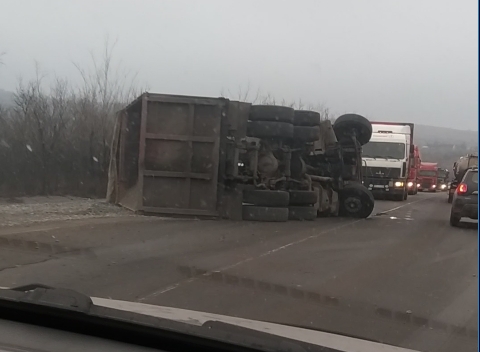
[[306, 133], [454, 219], [270, 214], [306, 118], [266, 198], [302, 213], [344, 125], [271, 113], [356, 201], [267, 129], [303, 197]]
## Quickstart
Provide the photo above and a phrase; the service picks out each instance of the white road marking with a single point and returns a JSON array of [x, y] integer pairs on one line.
[[272, 251], [231, 266], [401, 206]]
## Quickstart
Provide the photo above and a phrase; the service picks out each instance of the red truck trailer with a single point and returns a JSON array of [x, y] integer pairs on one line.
[[427, 177], [412, 181]]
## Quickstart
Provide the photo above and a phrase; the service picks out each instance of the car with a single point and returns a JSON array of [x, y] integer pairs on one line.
[[465, 199]]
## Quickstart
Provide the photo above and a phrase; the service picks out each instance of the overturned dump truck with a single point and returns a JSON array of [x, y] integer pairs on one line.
[[214, 157]]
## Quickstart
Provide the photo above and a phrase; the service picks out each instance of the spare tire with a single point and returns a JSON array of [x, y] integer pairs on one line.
[[356, 201], [348, 123], [271, 113], [306, 133], [306, 118], [303, 197], [266, 198], [270, 214], [268, 129], [302, 213]]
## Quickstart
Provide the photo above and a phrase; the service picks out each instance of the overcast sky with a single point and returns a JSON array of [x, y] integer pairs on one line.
[[405, 60]]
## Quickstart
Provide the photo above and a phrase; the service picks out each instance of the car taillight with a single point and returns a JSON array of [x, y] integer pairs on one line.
[[462, 188]]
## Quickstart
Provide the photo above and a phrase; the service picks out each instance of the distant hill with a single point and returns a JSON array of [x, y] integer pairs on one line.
[[444, 145], [431, 135]]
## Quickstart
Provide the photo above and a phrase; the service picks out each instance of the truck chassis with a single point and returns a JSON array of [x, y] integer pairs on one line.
[[197, 156]]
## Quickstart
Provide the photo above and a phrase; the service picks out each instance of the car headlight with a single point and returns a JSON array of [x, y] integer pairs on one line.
[[398, 184], [410, 184], [444, 186]]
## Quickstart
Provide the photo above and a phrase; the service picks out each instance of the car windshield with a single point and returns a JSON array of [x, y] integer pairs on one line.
[[384, 150], [442, 173], [219, 157], [431, 173]]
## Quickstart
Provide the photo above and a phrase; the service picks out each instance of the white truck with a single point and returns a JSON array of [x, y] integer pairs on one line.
[[386, 159]]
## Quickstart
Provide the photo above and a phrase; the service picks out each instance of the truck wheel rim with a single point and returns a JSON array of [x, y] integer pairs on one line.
[[353, 204]]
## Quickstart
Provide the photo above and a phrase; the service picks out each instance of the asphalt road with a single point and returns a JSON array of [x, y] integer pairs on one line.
[[403, 276]]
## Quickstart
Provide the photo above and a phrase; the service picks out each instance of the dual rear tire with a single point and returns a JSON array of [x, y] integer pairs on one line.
[[302, 205], [265, 205], [278, 206], [270, 121], [306, 126]]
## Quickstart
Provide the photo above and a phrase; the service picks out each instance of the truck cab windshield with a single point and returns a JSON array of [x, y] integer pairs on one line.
[[384, 150]]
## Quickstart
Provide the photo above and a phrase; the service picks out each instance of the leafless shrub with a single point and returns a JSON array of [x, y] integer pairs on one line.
[[55, 139], [244, 95]]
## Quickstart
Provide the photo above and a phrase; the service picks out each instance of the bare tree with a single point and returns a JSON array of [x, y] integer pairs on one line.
[[243, 94], [55, 139], [105, 88]]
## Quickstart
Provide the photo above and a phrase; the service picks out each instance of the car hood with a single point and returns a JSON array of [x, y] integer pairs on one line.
[[339, 342]]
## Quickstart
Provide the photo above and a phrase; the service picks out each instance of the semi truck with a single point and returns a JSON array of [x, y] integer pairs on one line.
[[214, 157], [442, 179], [412, 181], [459, 168], [387, 159], [427, 177]]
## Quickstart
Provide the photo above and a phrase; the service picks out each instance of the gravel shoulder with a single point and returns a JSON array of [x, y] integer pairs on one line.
[[32, 210]]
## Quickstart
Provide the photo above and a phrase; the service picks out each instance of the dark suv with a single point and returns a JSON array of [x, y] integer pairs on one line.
[[465, 199]]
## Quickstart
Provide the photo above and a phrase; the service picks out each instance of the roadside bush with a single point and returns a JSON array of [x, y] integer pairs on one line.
[[55, 139]]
